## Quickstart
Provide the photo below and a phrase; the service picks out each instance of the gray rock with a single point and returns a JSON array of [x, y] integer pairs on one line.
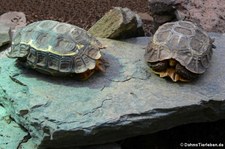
[[118, 23], [13, 19], [11, 134], [145, 16], [162, 11], [128, 100], [4, 34], [161, 19], [161, 7]]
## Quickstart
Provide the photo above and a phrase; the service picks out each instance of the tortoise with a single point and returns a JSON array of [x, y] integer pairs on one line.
[[179, 50], [57, 49]]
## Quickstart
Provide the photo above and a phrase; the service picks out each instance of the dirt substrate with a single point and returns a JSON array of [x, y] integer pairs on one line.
[[83, 13], [209, 14]]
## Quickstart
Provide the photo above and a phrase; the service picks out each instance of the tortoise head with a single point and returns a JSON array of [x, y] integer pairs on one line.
[[18, 51], [211, 42]]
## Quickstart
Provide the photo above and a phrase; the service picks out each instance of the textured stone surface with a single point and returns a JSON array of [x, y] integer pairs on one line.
[[118, 23], [11, 135], [13, 19], [161, 6], [162, 11], [207, 13], [127, 100], [4, 34]]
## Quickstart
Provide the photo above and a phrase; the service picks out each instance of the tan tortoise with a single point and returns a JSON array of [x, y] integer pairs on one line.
[[180, 50], [57, 49]]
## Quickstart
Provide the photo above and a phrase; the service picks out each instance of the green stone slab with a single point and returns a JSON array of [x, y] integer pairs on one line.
[[11, 134], [128, 100]]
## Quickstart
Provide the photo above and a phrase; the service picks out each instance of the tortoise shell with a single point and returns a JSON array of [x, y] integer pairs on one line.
[[185, 44], [57, 48]]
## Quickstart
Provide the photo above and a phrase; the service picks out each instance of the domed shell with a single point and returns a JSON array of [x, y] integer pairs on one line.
[[54, 46], [184, 42]]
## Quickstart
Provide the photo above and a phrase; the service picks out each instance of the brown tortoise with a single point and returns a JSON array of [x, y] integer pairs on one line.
[[179, 50], [57, 48]]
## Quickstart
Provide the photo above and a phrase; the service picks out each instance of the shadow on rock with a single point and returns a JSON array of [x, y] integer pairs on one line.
[[96, 81]]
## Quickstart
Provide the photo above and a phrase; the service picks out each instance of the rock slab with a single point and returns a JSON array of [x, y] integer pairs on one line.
[[118, 23], [11, 134], [128, 100]]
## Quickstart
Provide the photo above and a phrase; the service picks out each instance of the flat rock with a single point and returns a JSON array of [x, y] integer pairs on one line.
[[118, 23], [11, 134], [128, 100], [4, 34]]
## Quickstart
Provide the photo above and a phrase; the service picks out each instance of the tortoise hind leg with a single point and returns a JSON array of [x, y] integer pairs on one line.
[[184, 73], [169, 68], [99, 67], [170, 72], [86, 75]]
